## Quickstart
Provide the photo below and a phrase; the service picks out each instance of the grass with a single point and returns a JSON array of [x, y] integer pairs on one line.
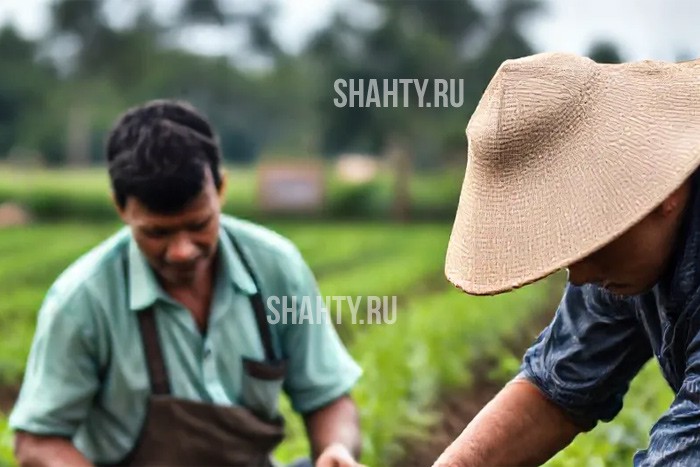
[[427, 351], [436, 337], [6, 456], [439, 331], [32, 259]]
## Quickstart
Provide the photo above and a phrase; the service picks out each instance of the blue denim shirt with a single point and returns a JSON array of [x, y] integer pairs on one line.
[[597, 342]]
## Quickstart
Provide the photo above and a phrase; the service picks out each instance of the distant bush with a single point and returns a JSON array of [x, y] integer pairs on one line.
[[365, 200], [84, 195]]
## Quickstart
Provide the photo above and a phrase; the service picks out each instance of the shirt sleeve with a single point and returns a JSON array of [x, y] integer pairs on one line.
[[320, 369], [587, 356], [675, 438], [61, 377]]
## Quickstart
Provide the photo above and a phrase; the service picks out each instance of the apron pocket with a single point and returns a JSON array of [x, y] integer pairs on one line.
[[261, 386]]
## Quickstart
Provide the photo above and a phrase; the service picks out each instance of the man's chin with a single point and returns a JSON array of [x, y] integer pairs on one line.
[[174, 278], [182, 278]]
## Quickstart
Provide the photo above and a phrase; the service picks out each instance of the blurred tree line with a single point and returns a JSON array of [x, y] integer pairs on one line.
[[60, 93]]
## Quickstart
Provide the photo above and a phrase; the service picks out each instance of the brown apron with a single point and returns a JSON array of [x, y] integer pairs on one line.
[[181, 432]]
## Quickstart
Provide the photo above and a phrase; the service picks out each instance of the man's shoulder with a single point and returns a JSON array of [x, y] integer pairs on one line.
[[88, 273], [259, 240]]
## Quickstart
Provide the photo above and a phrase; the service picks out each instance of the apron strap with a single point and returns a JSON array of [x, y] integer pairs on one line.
[[258, 306], [263, 325], [157, 370]]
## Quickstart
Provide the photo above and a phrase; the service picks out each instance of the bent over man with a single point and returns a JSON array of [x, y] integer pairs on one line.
[[594, 168], [155, 348]]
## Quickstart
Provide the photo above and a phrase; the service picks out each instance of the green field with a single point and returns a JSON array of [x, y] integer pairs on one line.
[[439, 332]]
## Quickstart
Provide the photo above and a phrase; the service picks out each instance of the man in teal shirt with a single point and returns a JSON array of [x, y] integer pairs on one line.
[[154, 347]]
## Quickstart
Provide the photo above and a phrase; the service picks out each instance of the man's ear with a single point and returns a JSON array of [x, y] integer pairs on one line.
[[675, 200], [120, 211]]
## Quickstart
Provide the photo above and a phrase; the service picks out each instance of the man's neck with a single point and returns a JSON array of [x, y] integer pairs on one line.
[[197, 295]]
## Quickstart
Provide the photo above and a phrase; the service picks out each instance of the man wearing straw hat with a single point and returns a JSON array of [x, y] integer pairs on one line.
[[588, 167]]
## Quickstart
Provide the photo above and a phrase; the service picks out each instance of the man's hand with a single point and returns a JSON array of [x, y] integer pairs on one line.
[[334, 433], [337, 455], [47, 451]]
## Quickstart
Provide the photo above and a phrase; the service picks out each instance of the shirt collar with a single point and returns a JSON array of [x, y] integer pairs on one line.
[[144, 289], [233, 266]]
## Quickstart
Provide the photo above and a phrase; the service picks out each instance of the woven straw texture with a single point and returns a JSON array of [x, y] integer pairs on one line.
[[564, 155]]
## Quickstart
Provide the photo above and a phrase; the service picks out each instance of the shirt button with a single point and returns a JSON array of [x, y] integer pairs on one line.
[[207, 352]]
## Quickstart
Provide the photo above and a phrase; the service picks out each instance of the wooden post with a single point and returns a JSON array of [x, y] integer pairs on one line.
[[78, 136]]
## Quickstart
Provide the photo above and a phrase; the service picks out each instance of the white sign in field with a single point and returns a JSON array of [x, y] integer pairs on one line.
[[291, 186]]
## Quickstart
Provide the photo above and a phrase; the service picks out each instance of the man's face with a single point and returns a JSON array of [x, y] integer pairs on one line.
[[635, 261], [180, 246]]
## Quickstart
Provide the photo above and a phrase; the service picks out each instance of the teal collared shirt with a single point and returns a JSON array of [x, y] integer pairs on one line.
[[86, 376]]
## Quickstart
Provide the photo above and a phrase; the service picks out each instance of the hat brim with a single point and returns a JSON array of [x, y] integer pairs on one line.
[[638, 142]]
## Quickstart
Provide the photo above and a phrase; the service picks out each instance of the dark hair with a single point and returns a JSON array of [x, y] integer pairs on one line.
[[158, 153]]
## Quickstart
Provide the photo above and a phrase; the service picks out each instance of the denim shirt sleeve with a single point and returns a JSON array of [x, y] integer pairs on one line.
[[584, 360], [675, 438]]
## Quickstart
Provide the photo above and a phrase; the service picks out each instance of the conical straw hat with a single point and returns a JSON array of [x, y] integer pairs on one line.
[[564, 155]]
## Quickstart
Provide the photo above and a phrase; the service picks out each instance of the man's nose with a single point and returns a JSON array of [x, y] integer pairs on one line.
[[181, 249]]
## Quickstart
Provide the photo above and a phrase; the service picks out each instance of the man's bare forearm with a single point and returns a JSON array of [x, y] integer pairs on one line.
[[518, 427], [47, 451], [339, 423]]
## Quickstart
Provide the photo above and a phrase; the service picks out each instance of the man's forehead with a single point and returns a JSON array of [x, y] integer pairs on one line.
[[197, 210]]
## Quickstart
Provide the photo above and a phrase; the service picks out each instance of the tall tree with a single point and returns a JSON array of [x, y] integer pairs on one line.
[[421, 40], [24, 83]]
